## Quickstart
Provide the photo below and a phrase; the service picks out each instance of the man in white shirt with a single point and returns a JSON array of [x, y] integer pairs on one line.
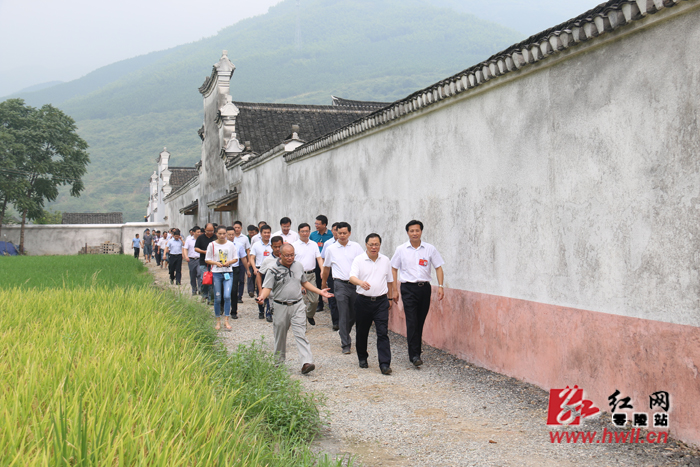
[[371, 273], [192, 258], [258, 253], [252, 232], [156, 249], [332, 304], [288, 235], [240, 239], [173, 248], [276, 244], [414, 260], [258, 236], [339, 257], [162, 243], [308, 254]]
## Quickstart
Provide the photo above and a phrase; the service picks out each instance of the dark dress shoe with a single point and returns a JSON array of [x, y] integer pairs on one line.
[[261, 315], [240, 300], [311, 321], [234, 316], [416, 361], [386, 369], [269, 318], [308, 367], [336, 327], [251, 294], [363, 364]]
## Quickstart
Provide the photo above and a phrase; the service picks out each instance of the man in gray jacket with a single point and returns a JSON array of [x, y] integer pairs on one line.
[[285, 280]]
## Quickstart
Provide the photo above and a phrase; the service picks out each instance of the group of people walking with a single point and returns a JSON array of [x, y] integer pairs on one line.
[[291, 272]]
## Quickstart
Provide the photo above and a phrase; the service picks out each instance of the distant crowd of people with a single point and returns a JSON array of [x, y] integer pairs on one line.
[[289, 272]]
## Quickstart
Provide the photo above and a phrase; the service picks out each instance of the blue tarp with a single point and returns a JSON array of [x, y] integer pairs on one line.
[[7, 248]]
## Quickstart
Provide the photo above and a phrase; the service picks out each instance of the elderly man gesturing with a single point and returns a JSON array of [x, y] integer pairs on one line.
[[285, 280]]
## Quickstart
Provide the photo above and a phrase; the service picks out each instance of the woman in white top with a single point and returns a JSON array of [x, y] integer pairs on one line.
[[221, 254]]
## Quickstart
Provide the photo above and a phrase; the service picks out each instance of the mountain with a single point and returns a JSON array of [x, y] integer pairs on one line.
[[359, 49], [39, 87]]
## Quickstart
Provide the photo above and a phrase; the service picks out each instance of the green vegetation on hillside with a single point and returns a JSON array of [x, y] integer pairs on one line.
[[359, 49], [106, 371]]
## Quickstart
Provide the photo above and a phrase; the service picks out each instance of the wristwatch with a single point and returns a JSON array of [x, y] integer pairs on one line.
[[441, 286]]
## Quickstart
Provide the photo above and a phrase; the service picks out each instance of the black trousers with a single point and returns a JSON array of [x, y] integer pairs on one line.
[[265, 307], [136, 252], [175, 268], [366, 312], [416, 304], [317, 270], [332, 302], [158, 255], [236, 275], [241, 282]]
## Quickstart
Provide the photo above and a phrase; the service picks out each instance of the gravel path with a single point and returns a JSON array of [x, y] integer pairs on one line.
[[447, 413]]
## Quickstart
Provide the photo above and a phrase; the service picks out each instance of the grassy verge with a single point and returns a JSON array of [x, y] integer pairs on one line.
[[132, 376], [72, 271]]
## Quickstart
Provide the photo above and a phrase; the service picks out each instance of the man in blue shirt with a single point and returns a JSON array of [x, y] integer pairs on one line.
[[320, 237], [136, 245]]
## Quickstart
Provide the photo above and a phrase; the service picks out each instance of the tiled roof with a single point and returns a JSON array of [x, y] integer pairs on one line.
[[92, 218], [268, 125], [598, 21], [190, 208], [363, 104], [181, 175]]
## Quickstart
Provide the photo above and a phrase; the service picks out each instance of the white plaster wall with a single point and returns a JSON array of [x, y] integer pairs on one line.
[[576, 185], [68, 239]]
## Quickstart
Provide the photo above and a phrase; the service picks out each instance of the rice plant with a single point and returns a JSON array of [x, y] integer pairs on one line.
[[129, 376]]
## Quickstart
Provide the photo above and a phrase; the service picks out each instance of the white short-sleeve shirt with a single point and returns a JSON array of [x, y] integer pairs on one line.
[[261, 251], [256, 238], [306, 254], [328, 243], [377, 273], [414, 264], [242, 239], [291, 237], [189, 247], [339, 258]]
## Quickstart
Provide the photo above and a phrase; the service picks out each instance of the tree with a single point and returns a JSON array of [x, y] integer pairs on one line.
[[41, 151], [49, 217]]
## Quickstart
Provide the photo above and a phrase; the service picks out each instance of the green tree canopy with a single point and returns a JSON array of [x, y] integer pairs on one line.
[[40, 151]]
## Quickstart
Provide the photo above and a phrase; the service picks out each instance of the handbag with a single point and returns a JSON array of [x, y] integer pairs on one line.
[[207, 278]]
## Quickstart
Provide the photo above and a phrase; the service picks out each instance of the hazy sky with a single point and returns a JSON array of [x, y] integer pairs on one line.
[[61, 40], [47, 40]]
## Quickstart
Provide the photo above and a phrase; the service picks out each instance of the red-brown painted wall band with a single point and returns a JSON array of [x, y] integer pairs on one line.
[[553, 346]]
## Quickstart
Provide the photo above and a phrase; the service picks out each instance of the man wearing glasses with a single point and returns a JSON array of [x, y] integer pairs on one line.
[[285, 280], [371, 273]]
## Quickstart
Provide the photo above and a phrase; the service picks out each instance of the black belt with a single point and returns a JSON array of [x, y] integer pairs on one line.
[[372, 299], [419, 284], [175, 254], [310, 272], [288, 303]]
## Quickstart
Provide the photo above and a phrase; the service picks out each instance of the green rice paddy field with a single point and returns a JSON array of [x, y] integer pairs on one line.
[[99, 368]]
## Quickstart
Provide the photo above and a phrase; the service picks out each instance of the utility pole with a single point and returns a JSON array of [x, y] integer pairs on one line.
[[297, 39]]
